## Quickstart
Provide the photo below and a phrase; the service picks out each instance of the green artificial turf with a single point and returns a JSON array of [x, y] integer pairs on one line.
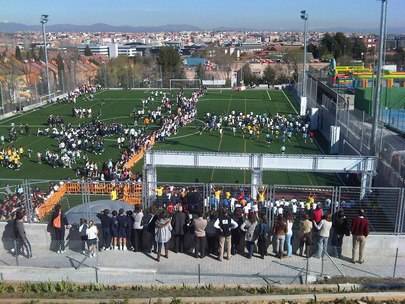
[[118, 105]]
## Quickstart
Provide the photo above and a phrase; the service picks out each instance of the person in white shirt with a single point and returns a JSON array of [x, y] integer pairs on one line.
[[324, 228], [92, 237], [137, 228]]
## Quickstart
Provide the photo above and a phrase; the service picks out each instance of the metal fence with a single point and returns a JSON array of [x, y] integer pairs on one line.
[[394, 118], [384, 207], [356, 129]]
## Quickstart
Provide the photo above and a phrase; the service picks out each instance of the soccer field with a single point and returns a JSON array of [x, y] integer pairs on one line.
[[226, 101], [117, 106]]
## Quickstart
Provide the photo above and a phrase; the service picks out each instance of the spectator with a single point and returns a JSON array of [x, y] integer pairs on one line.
[[122, 229], [59, 223], [106, 224], [305, 232], [83, 234], [212, 234], [324, 228], [23, 245], [225, 224], [249, 226], [238, 240], [341, 227], [200, 224], [163, 233], [263, 236], [279, 232], [288, 237], [114, 230], [360, 232], [150, 235], [317, 214], [92, 238], [179, 222], [130, 226], [137, 228]]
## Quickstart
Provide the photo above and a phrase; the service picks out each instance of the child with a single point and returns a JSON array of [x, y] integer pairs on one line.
[[92, 237], [83, 234]]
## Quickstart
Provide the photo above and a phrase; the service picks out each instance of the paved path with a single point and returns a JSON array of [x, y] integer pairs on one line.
[[129, 267]]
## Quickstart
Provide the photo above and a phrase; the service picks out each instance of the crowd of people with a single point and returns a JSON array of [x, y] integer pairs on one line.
[[10, 157], [82, 112], [275, 127], [14, 199], [220, 233], [86, 91]]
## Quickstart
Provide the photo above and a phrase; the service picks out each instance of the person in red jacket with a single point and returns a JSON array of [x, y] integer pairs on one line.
[[360, 233]]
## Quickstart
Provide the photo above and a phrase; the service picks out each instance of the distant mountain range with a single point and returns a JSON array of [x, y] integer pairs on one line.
[[12, 27]]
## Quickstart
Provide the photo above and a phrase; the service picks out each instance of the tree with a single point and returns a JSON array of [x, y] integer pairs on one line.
[[359, 48], [18, 55], [337, 45], [282, 79], [269, 75], [170, 62], [312, 48], [87, 51], [247, 75], [200, 71], [61, 71], [41, 54], [32, 53]]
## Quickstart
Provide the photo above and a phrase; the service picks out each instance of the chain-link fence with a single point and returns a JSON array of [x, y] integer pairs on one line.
[[356, 129], [37, 198]]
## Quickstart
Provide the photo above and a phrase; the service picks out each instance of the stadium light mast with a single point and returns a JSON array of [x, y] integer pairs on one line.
[[304, 16], [44, 20], [378, 84]]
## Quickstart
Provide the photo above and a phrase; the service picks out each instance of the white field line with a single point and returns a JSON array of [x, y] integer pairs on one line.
[[288, 99], [268, 95]]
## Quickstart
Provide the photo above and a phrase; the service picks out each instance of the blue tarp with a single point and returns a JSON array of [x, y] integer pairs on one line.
[[193, 61]]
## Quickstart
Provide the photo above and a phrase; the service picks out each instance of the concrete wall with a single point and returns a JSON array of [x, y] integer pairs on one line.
[[37, 234], [377, 245]]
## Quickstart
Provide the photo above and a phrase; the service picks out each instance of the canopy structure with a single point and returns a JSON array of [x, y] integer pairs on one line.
[[257, 163]]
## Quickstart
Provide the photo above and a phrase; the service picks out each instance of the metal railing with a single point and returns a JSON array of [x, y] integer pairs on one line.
[[384, 207]]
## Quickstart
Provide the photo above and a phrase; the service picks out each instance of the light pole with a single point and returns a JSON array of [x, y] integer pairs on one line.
[[304, 16], [303, 103], [377, 88], [44, 20]]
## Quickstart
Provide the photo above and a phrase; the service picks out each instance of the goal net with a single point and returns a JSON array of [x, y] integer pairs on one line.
[[216, 84], [185, 84]]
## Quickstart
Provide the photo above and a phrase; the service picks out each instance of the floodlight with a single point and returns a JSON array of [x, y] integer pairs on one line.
[[44, 18]]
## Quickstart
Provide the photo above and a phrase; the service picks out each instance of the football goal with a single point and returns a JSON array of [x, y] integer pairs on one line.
[[185, 84]]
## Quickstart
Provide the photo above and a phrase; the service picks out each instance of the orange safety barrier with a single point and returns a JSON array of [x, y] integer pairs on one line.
[[138, 156], [51, 202], [73, 187], [129, 193]]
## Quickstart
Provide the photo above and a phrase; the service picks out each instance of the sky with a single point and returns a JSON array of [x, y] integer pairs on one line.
[[207, 14]]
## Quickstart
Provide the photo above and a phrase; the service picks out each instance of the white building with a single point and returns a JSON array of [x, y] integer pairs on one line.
[[96, 49]]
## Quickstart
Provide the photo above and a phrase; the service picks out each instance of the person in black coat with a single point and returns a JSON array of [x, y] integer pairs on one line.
[[106, 223], [114, 229], [238, 234], [130, 237], [123, 225], [341, 227], [148, 234], [59, 223], [179, 222]]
